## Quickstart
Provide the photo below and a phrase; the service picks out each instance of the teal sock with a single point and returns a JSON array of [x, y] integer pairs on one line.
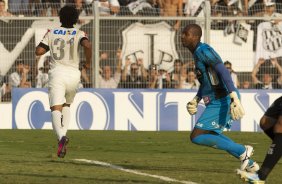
[[235, 154], [220, 142]]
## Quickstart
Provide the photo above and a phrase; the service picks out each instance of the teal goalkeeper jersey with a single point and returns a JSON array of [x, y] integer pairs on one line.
[[212, 86]]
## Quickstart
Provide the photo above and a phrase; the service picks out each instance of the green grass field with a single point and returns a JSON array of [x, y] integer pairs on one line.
[[29, 156]]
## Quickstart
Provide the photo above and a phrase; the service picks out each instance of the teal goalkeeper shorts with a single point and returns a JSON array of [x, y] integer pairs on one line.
[[216, 117]]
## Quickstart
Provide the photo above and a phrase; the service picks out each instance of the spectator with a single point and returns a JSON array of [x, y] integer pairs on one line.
[[155, 4], [255, 7], [125, 2], [148, 8], [164, 80], [87, 6], [42, 7], [134, 79], [108, 79], [176, 73], [19, 7], [236, 6], [267, 81], [42, 77], [216, 10], [193, 7], [20, 78], [246, 6], [229, 7], [142, 69], [109, 7], [270, 9], [104, 56], [172, 8], [189, 65], [123, 6], [189, 82], [158, 79], [233, 74], [139, 7], [5, 90], [246, 84], [3, 12], [85, 80]]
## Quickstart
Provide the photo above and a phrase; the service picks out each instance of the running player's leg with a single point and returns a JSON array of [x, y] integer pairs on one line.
[[71, 83], [272, 157], [57, 99], [56, 112], [57, 92], [274, 152], [267, 125], [271, 123], [65, 118], [208, 131], [270, 117], [72, 88], [215, 140]]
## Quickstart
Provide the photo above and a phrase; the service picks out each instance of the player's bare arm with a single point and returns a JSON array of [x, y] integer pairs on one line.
[[172, 8], [87, 51]]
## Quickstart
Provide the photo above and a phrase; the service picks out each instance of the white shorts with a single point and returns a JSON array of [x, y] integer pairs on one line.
[[63, 85]]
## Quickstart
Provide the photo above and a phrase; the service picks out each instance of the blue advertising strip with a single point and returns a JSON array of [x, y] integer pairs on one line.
[[130, 109]]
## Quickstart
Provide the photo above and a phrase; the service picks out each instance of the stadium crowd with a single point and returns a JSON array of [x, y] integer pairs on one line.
[[138, 7]]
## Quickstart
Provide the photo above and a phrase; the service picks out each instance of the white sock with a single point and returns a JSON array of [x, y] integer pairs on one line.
[[66, 119], [56, 123]]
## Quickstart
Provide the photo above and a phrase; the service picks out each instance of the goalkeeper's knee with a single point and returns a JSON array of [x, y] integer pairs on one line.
[[199, 139]]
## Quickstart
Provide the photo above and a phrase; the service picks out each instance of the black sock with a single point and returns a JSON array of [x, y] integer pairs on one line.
[[272, 157], [269, 132]]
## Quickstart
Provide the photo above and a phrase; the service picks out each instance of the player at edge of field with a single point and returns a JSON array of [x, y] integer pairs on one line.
[[221, 99], [271, 123], [64, 74]]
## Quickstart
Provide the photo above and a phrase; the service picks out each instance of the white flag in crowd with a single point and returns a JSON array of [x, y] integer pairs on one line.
[[269, 40], [242, 32]]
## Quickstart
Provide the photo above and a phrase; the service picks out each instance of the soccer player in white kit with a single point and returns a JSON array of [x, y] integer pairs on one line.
[[64, 74]]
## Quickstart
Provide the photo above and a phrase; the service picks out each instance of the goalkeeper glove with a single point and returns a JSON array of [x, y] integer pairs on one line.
[[192, 105], [236, 109]]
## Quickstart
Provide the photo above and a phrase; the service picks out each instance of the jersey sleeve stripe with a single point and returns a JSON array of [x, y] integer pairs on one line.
[[46, 47]]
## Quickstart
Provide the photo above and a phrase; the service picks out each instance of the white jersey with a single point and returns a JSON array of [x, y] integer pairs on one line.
[[63, 44]]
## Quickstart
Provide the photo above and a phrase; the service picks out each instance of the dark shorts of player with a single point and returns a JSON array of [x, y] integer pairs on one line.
[[275, 110]]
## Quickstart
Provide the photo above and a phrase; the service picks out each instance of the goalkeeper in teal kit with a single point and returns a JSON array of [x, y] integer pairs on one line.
[[221, 99]]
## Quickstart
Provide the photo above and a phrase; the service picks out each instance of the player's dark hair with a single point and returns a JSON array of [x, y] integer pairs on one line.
[[68, 16]]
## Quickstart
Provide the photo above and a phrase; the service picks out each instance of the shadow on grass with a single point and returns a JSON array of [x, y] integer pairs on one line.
[[53, 178]]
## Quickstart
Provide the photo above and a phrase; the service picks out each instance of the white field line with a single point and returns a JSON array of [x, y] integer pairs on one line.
[[105, 164]]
